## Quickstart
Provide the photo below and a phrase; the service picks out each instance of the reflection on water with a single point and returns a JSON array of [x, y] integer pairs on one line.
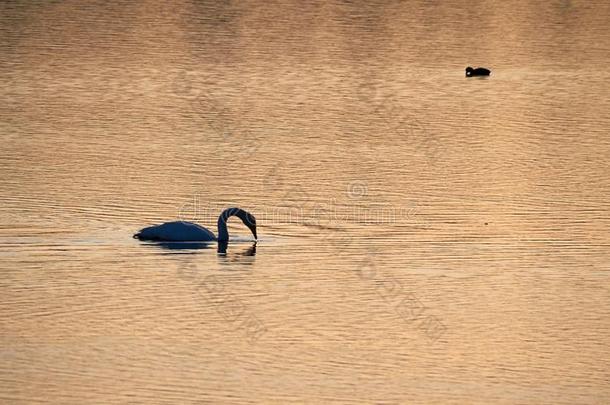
[[423, 237], [221, 247]]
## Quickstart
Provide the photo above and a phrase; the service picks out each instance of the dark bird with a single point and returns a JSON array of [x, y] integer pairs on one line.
[[470, 72], [180, 231]]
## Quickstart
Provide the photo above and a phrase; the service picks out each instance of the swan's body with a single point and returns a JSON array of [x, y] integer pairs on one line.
[[470, 72], [178, 231], [181, 231]]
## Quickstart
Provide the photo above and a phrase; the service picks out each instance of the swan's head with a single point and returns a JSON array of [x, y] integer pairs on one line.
[[250, 222], [469, 71]]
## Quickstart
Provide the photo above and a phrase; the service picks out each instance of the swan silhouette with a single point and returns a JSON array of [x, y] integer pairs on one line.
[[470, 72], [181, 231]]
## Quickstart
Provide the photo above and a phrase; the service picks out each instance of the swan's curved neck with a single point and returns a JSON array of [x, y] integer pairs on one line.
[[223, 232], [247, 219]]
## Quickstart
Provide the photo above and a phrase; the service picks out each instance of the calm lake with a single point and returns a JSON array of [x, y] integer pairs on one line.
[[423, 237]]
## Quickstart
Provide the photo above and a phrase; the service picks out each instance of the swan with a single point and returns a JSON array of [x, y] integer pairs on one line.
[[477, 72], [181, 231]]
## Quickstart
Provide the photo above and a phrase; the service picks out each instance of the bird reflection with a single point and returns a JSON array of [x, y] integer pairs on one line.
[[183, 245], [222, 247]]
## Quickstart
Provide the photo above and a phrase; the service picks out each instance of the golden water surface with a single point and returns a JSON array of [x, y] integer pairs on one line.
[[424, 238]]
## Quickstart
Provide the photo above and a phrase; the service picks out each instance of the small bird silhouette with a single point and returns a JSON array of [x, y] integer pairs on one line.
[[470, 72]]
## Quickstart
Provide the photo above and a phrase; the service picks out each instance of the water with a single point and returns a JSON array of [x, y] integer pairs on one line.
[[424, 237]]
